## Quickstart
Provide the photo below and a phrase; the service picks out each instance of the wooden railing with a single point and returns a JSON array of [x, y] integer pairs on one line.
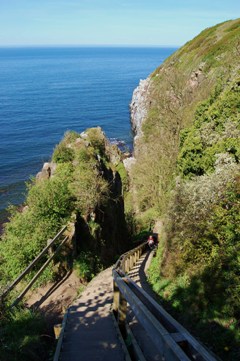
[[172, 341], [127, 260], [32, 264]]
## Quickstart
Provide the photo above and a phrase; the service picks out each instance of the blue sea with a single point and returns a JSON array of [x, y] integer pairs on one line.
[[46, 91]]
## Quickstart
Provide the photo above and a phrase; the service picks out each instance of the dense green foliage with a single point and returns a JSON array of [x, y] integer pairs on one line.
[[198, 271], [216, 130], [80, 185], [184, 80], [76, 184], [48, 207], [87, 265], [187, 174], [22, 337]]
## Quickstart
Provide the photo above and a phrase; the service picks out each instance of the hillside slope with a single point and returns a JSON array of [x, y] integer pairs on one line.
[[187, 119], [170, 97]]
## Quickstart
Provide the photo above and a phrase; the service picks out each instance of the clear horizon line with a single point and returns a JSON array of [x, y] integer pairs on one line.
[[88, 46]]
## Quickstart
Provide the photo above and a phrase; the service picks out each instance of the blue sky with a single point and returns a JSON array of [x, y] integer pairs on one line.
[[109, 22]]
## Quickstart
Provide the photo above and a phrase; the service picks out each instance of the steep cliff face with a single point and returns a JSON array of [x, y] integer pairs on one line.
[[186, 177], [139, 106], [97, 192], [166, 102]]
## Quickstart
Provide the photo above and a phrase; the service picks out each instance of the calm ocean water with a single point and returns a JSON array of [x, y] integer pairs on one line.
[[46, 91]]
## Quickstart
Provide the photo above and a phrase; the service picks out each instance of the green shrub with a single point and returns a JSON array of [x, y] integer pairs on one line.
[[49, 207], [83, 155], [89, 187], [51, 198], [70, 136], [97, 139], [87, 265], [197, 272], [22, 337], [62, 154], [216, 130]]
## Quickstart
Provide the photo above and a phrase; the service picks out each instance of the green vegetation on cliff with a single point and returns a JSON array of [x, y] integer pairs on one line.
[[198, 272], [177, 87], [215, 131], [82, 179], [187, 174], [81, 185], [23, 337]]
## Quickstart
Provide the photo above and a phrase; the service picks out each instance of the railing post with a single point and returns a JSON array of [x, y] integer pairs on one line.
[[126, 265], [116, 296], [50, 250], [122, 314], [131, 261]]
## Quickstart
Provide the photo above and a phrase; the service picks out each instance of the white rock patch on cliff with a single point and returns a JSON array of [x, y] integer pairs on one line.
[[138, 110], [139, 106]]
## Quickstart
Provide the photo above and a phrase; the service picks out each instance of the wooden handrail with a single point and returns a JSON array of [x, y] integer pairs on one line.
[[121, 265], [32, 264], [172, 340], [22, 294]]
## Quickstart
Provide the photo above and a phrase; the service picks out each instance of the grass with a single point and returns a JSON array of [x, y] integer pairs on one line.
[[189, 302], [24, 337]]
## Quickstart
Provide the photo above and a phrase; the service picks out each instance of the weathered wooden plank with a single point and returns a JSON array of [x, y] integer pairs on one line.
[[60, 339], [170, 323], [135, 347], [160, 336], [122, 314], [178, 337]]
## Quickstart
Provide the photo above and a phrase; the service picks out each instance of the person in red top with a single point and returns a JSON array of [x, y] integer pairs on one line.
[[151, 242]]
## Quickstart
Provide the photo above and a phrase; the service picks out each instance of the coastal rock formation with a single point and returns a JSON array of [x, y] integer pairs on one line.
[[196, 77], [47, 171], [139, 106], [82, 185], [138, 111]]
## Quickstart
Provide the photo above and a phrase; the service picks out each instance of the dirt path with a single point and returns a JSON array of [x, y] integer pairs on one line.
[[54, 298]]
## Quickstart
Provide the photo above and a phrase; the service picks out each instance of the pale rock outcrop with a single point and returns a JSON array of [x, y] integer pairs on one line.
[[47, 171], [196, 77], [128, 163], [138, 112], [139, 106]]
